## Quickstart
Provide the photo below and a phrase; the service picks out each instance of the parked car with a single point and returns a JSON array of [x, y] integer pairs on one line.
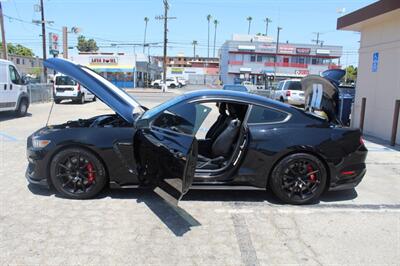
[[13, 89], [252, 141], [66, 88], [289, 91], [171, 83], [182, 82], [235, 87]]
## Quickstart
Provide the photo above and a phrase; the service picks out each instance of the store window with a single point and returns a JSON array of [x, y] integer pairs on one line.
[[252, 58], [260, 58]]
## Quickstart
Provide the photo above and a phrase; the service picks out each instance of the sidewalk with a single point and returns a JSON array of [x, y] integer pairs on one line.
[[148, 90]]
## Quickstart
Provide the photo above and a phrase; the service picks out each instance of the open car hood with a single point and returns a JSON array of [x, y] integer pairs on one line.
[[117, 99], [322, 92]]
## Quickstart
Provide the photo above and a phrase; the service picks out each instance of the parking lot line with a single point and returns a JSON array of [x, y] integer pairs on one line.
[[7, 137]]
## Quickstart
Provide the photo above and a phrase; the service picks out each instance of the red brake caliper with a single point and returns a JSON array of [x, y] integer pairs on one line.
[[312, 177], [91, 175]]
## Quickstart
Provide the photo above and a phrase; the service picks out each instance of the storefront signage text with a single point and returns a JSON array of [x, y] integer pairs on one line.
[[103, 60], [303, 50]]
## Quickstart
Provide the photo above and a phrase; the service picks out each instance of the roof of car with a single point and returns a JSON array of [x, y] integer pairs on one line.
[[235, 95]]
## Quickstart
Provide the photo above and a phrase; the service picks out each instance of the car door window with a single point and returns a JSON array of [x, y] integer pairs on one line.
[[182, 118], [14, 76], [261, 114]]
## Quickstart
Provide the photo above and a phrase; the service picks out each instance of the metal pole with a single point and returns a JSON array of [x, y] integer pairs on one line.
[[362, 114], [43, 39], [395, 122], [276, 51], [165, 44], [215, 35], [3, 35], [267, 21], [65, 42]]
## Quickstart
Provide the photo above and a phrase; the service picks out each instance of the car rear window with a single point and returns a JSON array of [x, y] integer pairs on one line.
[[260, 114], [293, 85], [65, 80]]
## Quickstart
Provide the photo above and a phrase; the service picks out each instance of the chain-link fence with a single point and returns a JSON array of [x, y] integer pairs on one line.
[[40, 92]]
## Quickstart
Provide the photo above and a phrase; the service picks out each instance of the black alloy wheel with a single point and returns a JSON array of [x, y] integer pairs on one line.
[[299, 178], [77, 173]]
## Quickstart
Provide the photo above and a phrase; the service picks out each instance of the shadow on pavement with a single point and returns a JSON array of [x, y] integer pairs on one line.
[[8, 115], [181, 222]]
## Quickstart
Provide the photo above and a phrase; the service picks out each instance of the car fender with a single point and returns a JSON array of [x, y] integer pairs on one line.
[[23, 96]]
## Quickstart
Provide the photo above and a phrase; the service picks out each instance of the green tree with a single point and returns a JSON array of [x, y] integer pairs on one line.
[[19, 49], [351, 74], [85, 45]]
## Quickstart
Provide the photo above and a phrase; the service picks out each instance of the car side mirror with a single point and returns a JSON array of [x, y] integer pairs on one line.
[[24, 80], [142, 123]]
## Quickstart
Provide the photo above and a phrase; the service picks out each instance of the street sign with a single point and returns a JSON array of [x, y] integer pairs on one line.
[[375, 61], [53, 43]]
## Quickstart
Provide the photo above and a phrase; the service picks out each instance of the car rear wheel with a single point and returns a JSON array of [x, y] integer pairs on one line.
[[298, 178], [172, 86], [57, 101], [82, 99], [156, 85], [77, 173]]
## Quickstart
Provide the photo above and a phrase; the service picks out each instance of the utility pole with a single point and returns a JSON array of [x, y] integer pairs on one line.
[[65, 42], [267, 21], [317, 40], [277, 50], [3, 34], [43, 39], [165, 18]]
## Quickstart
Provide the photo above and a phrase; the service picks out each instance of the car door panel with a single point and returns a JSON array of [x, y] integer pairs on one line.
[[167, 161]]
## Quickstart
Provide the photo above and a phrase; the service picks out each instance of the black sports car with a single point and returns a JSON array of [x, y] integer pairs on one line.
[[203, 139]]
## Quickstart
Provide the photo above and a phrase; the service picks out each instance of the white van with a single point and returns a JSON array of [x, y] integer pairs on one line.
[[13, 90], [66, 88]]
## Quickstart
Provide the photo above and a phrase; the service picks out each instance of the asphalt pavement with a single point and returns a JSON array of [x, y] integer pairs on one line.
[[37, 227]]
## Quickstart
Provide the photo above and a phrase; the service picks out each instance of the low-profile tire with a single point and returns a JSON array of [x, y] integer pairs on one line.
[[77, 173], [22, 108], [298, 178]]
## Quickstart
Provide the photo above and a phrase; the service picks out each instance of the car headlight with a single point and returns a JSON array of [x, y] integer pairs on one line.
[[40, 143]]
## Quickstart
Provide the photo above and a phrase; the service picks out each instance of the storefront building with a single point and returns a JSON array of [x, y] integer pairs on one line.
[[249, 57], [377, 100], [123, 70]]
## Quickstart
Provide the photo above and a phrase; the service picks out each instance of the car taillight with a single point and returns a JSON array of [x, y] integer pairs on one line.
[[288, 93], [79, 87]]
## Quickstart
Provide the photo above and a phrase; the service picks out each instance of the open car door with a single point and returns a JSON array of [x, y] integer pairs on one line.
[[166, 147]]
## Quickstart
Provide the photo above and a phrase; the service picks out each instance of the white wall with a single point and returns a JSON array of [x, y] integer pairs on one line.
[[381, 88]]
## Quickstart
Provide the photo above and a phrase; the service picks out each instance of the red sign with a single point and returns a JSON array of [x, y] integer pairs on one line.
[[286, 49], [302, 72], [303, 50]]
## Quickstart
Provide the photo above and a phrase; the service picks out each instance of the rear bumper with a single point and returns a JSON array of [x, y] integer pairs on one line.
[[350, 171], [65, 97], [295, 101]]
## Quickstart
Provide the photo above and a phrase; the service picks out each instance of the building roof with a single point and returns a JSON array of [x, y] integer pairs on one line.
[[376, 9]]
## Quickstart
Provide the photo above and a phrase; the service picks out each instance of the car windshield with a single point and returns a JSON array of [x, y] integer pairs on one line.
[[161, 107], [65, 80], [235, 88]]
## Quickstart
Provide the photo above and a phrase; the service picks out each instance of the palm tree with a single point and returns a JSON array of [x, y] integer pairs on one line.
[[208, 45], [249, 19], [194, 43], [146, 20], [216, 22]]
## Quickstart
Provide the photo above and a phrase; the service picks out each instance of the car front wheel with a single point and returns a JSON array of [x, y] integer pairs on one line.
[[22, 108], [298, 178], [77, 173]]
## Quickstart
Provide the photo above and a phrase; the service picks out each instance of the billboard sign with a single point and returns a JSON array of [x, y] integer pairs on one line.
[[286, 49]]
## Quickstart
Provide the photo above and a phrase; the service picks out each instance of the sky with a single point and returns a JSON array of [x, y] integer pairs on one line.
[[122, 22]]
